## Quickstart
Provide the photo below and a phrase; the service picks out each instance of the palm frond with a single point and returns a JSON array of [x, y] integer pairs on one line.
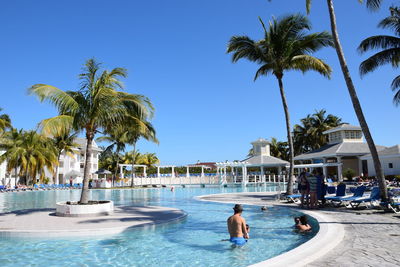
[[379, 42], [391, 56], [244, 47], [60, 99], [56, 126], [305, 63]]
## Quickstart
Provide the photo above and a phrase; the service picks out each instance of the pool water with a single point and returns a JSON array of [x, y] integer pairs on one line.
[[195, 241]]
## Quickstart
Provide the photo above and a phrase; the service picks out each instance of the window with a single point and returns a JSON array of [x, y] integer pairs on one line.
[[61, 164], [82, 165], [390, 165]]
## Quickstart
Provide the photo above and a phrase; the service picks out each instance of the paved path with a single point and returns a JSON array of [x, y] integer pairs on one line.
[[43, 222], [372, 238]]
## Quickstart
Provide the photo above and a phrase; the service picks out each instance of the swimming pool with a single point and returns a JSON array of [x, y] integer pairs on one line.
[[196, 241]]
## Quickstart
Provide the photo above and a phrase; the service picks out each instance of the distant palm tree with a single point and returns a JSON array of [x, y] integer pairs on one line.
[[118, 138], [390, 53], [64, 143], [149, 159], [279, 149], [5, 122], [372, 5], [10, 142], [132, 157], [309, 134], [96, 105], [285, 47], [31, 153]]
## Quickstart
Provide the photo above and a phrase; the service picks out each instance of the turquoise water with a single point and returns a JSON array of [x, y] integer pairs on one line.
[[196, 241]]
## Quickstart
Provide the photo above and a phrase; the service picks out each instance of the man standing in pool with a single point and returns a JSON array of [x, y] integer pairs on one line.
[[237, 227]]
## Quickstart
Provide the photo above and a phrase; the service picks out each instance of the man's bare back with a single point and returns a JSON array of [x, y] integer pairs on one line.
[[237, 226]]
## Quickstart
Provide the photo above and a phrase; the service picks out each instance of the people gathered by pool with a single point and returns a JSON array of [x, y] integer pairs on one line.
[[237, 227], [301, 223]]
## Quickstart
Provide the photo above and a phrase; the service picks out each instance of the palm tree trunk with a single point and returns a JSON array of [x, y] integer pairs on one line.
[[85, 189], [289, 189], [356, 104]]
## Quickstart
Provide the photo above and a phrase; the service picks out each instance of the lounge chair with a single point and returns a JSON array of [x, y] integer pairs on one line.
[[340, 192], [337, 201], [294, 198], [374, 196]]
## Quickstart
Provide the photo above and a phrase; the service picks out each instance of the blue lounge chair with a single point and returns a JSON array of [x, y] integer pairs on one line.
[[375, 195], [359, 192], [340, 192], [293, 198]]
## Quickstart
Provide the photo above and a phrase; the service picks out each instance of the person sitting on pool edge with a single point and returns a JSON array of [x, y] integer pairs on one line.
[[237, 227]]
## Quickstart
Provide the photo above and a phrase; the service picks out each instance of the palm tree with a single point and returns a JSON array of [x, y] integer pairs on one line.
[[390, 53], [132, 157], [32, 153], [309, 134], [279, 149], [285, 46], [118, 138], [149, 159], [10, 142], [5, 122], [64, 143], [95, 106], [372, 5]]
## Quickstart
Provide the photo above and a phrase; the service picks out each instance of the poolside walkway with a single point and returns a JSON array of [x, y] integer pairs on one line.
[[371, 238], [43, 223]]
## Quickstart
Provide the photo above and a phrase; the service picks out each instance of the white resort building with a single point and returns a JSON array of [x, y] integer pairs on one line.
[[346, 149], [70, 167]]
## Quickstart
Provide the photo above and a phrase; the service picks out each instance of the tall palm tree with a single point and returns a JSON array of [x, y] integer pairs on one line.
[[372, 5], [97, 105], [5, 122], [285, 46], [390, 53]]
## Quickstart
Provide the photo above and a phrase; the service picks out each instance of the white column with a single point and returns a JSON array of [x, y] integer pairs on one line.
[[324, 168], [144, 172], [225, 174], [187, 172], [359, 166], [262, 174], [173, 172], [121, 173], [340, 168], [158, 172]]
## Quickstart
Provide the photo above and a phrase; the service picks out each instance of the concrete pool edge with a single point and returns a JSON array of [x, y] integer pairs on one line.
[[328, 237], [126, 223]]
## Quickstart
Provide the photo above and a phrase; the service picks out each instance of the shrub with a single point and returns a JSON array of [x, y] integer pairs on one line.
[[349, 173]]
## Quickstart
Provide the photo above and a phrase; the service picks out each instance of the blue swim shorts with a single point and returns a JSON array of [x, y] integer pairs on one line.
[[239, 241]]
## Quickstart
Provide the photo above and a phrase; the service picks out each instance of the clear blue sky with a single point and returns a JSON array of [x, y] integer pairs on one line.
[[207, 108]]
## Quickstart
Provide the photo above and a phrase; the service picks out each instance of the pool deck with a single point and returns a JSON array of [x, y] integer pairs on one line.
[[42, 223], [368, 237]]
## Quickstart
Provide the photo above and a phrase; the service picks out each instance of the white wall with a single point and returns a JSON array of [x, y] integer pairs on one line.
[[385, 165]]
